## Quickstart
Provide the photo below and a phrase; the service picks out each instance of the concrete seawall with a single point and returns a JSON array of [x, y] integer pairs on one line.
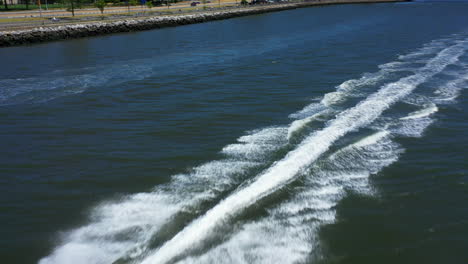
[[42, 34]]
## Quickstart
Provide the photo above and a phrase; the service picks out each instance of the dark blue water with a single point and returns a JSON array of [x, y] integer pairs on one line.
[[320, 135]]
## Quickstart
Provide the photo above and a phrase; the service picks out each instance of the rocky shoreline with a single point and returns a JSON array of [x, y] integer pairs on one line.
[[43, 34]]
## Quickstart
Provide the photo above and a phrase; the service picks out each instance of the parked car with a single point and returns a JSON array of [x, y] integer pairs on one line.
[[193, 4], [257, 2], [157, 3]]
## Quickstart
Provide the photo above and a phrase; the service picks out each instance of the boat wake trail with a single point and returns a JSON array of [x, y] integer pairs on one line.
[[308, 151], [352, 143]]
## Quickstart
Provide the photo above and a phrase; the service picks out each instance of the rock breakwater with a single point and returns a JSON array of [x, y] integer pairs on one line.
[[52, 33]]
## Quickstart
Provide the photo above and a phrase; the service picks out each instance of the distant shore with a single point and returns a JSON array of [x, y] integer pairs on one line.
[[88, 29]]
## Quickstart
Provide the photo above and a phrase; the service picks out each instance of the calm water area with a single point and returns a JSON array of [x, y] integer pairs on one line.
[[334, 134]]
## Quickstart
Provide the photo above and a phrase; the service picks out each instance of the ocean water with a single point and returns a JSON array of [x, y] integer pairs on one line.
[[332, 134]]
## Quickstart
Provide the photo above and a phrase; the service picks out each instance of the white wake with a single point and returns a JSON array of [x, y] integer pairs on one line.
[[125, 229], [308, 151]]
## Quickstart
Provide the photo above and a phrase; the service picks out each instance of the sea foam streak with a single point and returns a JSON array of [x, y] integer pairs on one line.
[[430, 109], [123, 229], [351, 88], [451, 90], [343, 90], [325, 106], [308, 151], [288, 233]]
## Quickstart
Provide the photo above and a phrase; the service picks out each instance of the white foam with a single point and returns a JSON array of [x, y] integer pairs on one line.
[[429, 110], [265, 242], [44, 88], [299, 124], [350, 88], [307, 111], [394, 65], [415, 123], [344, 90], [333, 98], [137, 217], [411, 127], [124, 228], [417, 100], [290, 231], [372, 139], [308, 151], [451, 90], [428, 49], [258, 144]]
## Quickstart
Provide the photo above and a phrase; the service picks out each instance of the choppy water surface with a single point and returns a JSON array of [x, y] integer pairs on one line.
[[321, 135]]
